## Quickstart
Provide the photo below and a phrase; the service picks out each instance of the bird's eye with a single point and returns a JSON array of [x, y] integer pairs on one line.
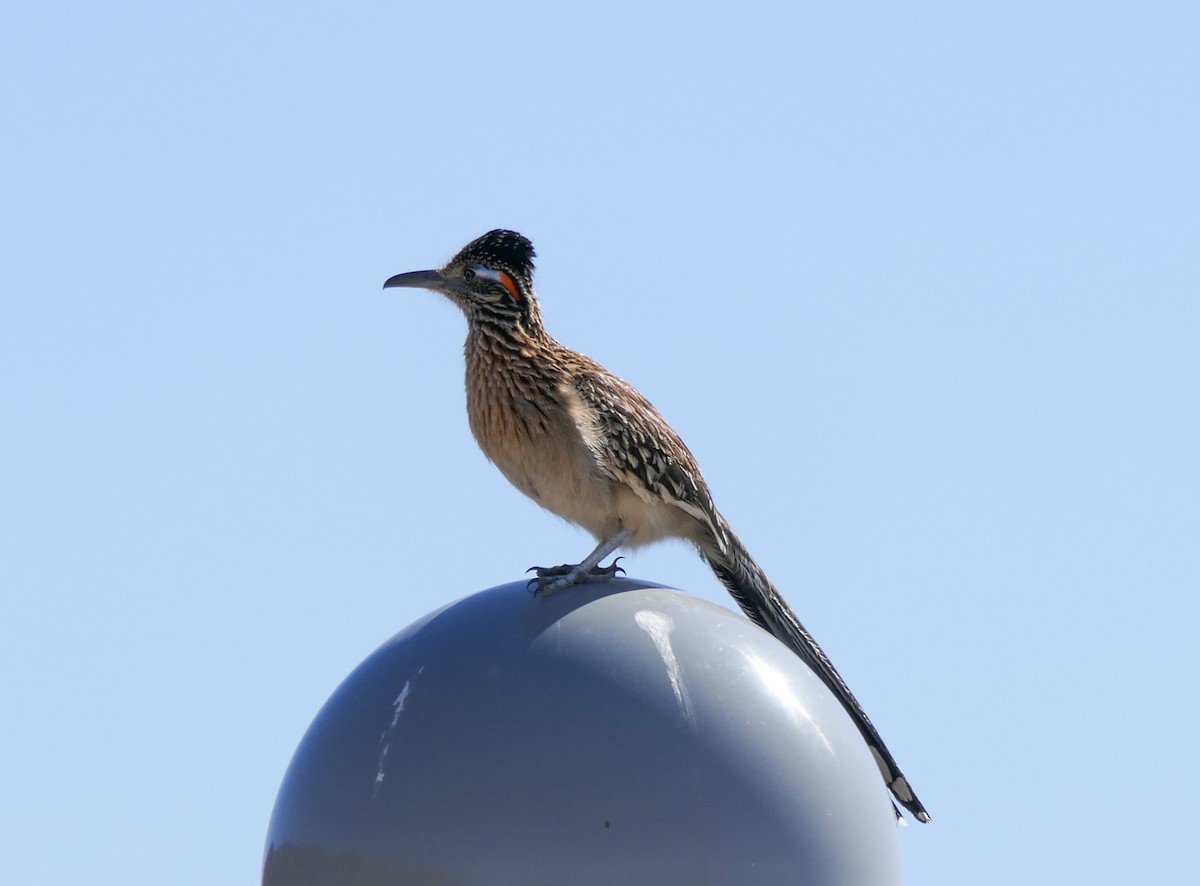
[[469, 274]]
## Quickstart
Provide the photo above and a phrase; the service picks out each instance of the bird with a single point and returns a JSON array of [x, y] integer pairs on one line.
[[589, 447]]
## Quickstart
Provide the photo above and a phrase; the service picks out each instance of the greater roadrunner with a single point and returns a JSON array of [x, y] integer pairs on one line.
[[586, 445]]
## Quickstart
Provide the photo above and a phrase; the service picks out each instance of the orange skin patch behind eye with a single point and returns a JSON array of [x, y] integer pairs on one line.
[[510, 285]]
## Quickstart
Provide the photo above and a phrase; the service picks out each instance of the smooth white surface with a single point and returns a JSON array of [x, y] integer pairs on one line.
[[607, 734]]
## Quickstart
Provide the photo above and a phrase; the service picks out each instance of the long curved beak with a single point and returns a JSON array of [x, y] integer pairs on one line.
[[418, 280]]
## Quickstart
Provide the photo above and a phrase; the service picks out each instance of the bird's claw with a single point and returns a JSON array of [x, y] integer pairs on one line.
[[537, 583], [544, 571], [552, 579]]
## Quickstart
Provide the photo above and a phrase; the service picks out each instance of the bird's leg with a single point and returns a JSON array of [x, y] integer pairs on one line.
[[556, 578]]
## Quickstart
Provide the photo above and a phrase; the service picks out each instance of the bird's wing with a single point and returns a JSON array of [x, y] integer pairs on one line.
[[634, 445]]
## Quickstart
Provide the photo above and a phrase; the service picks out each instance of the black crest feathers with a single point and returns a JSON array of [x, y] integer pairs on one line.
[[501, 250]]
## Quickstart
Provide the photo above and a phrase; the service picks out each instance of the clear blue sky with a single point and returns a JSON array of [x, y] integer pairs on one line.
[[918, 283]]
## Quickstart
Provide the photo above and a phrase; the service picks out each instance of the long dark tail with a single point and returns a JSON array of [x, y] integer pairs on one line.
[[758, 598]]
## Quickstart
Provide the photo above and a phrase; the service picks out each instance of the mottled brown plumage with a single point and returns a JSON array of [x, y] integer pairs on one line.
[[589, 447]]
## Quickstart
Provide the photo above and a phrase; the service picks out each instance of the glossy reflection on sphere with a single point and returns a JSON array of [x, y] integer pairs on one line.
[[621, 733]]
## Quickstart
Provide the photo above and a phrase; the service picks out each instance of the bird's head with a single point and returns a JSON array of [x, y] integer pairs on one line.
[[491, 279]]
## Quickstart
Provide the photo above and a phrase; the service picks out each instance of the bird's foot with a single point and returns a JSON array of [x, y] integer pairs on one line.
[[552, 579]]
